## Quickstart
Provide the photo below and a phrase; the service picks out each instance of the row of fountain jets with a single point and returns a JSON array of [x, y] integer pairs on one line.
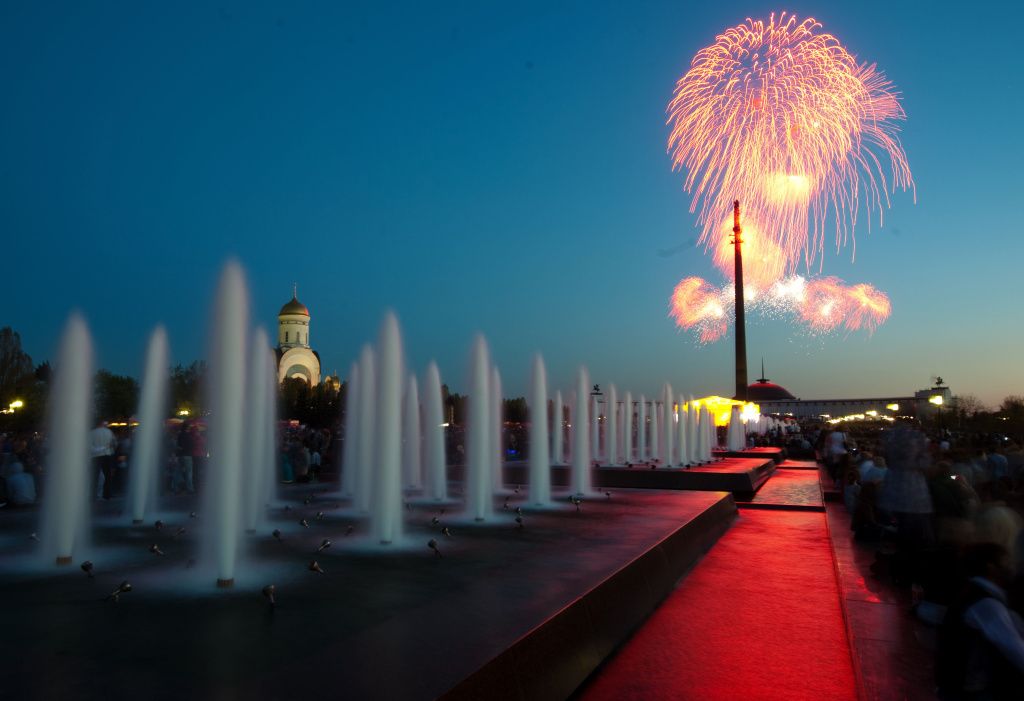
[[383, 438]]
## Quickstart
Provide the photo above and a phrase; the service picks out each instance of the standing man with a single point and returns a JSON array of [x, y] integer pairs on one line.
[[102, 445]]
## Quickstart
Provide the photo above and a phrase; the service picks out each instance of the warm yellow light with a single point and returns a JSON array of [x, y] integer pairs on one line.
[[871, 413], [892, 407], [183, 412], [936, 400], [17, 404], [750, 412], [721, 408]]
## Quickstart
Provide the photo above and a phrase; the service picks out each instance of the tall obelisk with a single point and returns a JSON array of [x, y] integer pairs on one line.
[[741, 327]]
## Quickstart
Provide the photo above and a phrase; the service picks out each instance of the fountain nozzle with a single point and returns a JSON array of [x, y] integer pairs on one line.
[[324, 544], [432, 544], [122, 588], [87, 568], [314, 566]]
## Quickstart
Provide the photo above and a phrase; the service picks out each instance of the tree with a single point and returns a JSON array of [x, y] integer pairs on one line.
[[116, 395], [317, 407], [187, 385], [44, 372], [454, 407], [1012, 405], [1011, 411], [515, 410], [294, 399], [967, 408], [968, 405], [15, 366]]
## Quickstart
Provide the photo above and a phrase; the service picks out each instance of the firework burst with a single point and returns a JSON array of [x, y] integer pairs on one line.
[[783, 117], [823, 305]]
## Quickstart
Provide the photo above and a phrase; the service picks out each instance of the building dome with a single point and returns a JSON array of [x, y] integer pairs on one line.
[[765, 391], [295, 357], [294, 307]]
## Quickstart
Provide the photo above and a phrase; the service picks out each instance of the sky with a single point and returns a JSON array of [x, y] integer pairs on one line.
[[478, 167]]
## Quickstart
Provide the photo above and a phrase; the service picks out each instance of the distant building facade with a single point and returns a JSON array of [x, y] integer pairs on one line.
[[295, 357], [774, 399]]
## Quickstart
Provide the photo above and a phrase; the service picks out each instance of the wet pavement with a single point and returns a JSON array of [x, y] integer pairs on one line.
[[405, 624]]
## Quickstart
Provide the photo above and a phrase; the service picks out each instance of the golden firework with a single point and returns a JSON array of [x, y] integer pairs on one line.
[[783, 117]]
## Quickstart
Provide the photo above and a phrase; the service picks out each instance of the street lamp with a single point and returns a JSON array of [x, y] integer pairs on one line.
[[936, 399]]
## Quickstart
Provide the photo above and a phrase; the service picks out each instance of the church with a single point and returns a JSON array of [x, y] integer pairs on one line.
[[295, 358]]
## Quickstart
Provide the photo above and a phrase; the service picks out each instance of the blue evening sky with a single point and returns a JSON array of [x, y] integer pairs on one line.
[[478, 167]]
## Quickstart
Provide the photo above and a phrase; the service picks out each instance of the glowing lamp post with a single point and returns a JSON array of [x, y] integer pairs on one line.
[[937, 401]]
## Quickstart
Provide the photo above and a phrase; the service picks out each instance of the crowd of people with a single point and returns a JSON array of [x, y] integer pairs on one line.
[[945, 512], [302, 454]]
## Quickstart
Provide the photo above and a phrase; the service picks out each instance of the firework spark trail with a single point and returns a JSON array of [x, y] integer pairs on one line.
[[824, 305], [698, 304], [785, 118], [829, 303]]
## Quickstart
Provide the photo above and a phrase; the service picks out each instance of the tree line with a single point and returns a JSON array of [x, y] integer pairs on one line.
[[116, 396]]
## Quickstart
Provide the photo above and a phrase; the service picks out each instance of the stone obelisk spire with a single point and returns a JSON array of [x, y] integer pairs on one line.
[[741, 328]]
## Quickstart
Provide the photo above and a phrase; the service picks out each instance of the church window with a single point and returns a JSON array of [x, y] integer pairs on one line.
[[286, 337]]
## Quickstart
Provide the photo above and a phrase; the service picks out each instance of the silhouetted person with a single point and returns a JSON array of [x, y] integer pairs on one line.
[[102, 445]]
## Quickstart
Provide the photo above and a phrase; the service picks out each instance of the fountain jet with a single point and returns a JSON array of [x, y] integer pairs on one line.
[[611, 442], [437, 478], [387, 488], [540, 460], [367, 417], [227, 403], [350, 453], [580, 476], [69, 482], [148, 438], [558, 426], [627, 427], [497, 444], [667, 425], [480, 474], [412, 445], [641, 430]]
